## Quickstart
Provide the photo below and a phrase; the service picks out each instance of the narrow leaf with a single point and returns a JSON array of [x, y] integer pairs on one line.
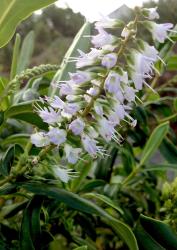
[[154, 141]]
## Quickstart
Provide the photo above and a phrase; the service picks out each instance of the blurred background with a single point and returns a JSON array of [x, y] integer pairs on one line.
[[55, 27]]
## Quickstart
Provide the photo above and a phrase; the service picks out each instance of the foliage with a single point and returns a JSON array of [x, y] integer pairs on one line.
[[115, 202]]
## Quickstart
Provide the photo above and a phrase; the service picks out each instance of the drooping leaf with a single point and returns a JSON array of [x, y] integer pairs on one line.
[[154, 141], [78, 203], [145, 241], [160, 231], [14, 11]]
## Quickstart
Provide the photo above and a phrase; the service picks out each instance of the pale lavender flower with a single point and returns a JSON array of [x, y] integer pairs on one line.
[[80, 77], [103, 38], [77, 126], [98, 109], [70, 109], [119, 110], [49, 115], [129, 93], [72, 154], [66, 89], [109, 60], [112, 82], [40, 139], [89, 145], [57, 136], [151, 13], [106, 23], [106, 129], [159, 31], [113, 118], [88, 59], [57, 103]]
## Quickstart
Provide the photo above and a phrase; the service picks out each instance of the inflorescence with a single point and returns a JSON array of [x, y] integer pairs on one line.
[[96, 102]]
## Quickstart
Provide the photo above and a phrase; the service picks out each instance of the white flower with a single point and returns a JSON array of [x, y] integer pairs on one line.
[[77, 126], [106, 23], [88, 59], [57, 136], [125, 32], [40, 139], [112, 82], [72, 154], [63, 174], [151, 13], [103, 38], [109, 60], [159, 31]]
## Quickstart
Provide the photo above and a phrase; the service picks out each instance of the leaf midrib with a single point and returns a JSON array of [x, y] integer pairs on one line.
[[6, 11]]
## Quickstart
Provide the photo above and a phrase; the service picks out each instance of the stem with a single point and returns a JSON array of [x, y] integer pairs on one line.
[[101, 87]]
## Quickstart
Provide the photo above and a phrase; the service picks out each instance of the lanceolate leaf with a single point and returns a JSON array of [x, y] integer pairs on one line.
[[154, 141], [160, 231], [14, 11], [30, 228], [26, 52], [76, 202]]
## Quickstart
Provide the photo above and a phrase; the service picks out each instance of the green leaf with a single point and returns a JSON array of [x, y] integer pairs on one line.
[[172, 63], [8, 189], [83, 205], [105, 200], [81, 248], [7, 161], [145, 241], [4, 102], [30, 234], [12, 12], [24, 112], [154, 141], [92, 184], [161, 167], [12, 209], [160, 231], [169, 151], [20, 139], [1, 117], [26, 52], [83, 167], [15, 56], [79, 42]]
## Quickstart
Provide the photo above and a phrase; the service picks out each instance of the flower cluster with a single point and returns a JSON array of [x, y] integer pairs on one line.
[[97, 99]]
